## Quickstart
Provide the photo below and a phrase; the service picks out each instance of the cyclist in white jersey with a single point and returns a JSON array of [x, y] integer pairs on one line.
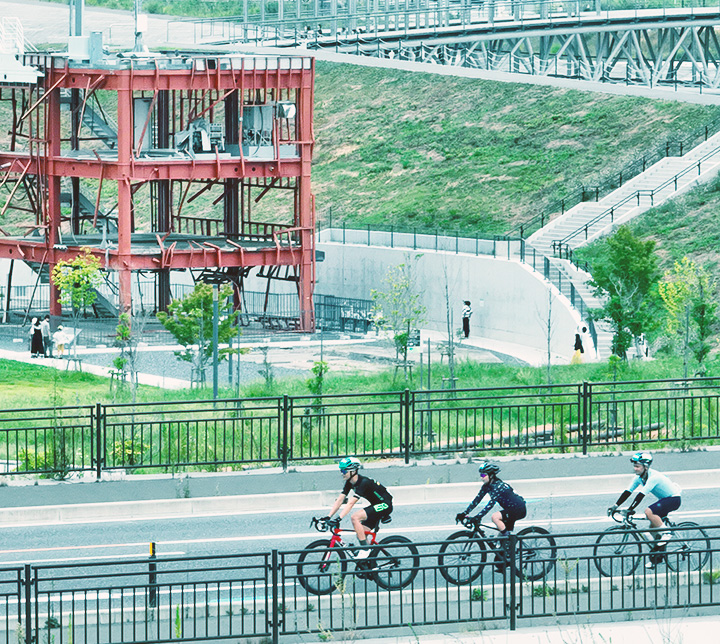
[[650, 481]]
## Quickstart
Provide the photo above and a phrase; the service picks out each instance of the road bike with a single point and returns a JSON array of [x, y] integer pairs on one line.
[[465, 554], [618, 550], [393, 562]]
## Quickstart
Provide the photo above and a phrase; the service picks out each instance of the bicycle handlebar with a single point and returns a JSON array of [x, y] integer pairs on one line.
[[324, 526], [474, 523], [625, 514]]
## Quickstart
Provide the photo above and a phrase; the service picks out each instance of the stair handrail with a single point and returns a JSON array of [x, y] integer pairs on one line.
[[638, 193], [629, 171]]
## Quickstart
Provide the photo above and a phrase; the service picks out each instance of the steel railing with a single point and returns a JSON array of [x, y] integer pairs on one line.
[[233, 597], [282, 430]]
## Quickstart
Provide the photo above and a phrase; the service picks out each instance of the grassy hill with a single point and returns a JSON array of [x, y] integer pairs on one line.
[[418, 150]]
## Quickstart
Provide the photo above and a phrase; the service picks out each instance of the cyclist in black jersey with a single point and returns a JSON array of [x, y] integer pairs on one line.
[[361, 487], [512, 504]]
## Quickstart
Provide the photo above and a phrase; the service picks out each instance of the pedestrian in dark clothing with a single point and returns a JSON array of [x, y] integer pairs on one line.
[[577, 356], [37, 348]]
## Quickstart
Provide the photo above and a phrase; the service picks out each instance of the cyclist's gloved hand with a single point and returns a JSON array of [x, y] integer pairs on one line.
[[460, 516], [324, 519], [611, 510]]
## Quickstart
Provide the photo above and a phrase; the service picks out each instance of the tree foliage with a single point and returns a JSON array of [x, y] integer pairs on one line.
[[77, 280], [688, 294], [399, 308], [190, 321], [626, 274]]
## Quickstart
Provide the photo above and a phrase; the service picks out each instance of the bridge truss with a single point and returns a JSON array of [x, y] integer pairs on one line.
[[652, 54]]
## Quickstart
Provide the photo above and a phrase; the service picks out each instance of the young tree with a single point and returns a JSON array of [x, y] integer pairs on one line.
[[688, 294], [399, 308], [77, 281], [127, 334], [190, 320], [626, 274]]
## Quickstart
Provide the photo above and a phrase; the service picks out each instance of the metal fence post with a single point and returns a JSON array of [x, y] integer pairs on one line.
[[405, 414], [28, 585], [98, 426], [585, 395], [152, 577], [284, 449], [511, 550], [275, 597]]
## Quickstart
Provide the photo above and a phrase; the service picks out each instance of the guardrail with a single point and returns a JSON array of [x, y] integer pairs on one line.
[[282, 430], [232, 597]]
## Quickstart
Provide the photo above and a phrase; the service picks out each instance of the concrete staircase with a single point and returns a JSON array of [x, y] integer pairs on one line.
[[588, 221]]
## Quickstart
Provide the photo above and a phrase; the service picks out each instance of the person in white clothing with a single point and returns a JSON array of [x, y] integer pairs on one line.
[[652, 482]]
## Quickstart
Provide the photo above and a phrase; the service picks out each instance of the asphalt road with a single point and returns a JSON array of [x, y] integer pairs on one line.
[[263, 531]]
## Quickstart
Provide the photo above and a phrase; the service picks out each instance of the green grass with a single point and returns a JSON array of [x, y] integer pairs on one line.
[[418, 150], [32, 385]]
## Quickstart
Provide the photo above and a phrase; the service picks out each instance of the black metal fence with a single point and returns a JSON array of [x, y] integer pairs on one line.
[[233, 597], [283, 430]]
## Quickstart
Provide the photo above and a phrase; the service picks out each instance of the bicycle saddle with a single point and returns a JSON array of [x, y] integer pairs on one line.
[[386, 520]]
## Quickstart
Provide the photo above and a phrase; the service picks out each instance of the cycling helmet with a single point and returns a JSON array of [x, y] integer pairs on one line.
[[645, 458], [489, 468], [349, 464]]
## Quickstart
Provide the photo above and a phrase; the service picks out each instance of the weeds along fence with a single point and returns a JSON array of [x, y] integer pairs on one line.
[[234, 597], [285, 430]]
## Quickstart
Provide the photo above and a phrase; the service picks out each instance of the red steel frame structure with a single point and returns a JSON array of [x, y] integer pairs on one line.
[[48, 151]]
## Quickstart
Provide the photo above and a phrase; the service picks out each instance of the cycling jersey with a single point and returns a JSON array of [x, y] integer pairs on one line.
[[500, 493], [371, 491], [657, 484]]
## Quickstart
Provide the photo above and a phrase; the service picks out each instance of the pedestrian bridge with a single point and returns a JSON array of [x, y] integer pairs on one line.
[[571, 39]]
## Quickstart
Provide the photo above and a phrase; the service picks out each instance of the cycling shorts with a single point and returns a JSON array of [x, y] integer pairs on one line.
[[375, 513], [510, 515], [663, 506]]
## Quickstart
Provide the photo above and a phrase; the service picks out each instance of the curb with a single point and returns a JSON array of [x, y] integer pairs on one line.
[[318, 500]]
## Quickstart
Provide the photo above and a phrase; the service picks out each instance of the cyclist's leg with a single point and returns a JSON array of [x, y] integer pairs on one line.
[[359, 521], [497, 519], [368, 519], [657, 513], [660, 509]]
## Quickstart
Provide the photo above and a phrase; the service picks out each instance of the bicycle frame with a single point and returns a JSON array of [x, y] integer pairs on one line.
[[628, 521], [336, 540]]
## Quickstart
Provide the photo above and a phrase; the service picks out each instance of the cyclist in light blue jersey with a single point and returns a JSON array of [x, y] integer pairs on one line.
[[650, 481]]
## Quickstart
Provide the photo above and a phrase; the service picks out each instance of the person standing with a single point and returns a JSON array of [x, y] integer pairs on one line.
[[36, 340], [46, 336], [466, 313]]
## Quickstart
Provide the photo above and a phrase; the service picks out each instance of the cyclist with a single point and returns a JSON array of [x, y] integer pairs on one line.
[[512, 504], [361, 487], [651, 481]]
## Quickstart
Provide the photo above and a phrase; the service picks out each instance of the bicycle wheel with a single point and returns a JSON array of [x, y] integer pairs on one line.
[[617, 552], [321, 567], [537, 553], [688, 548], [462, 558], [396, 567]]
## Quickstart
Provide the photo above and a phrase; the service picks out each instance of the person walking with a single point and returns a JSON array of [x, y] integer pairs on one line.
[[579, 350], [466, 313], [36, 340], [46, 336]]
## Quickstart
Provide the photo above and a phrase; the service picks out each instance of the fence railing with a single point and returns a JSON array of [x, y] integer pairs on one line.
[[232, 597], [284, 430]]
